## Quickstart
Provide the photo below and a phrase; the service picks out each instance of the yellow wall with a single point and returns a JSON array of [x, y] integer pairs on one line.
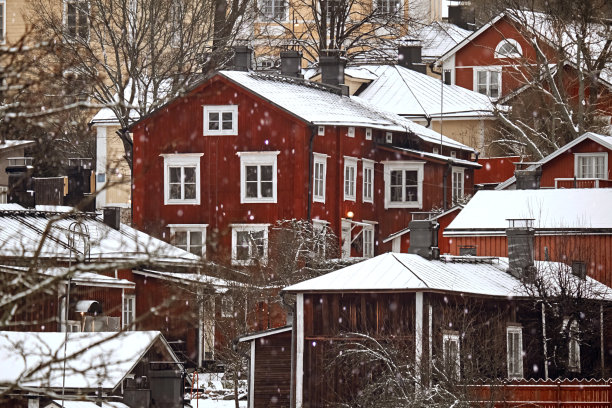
[[118, 172], [15, 23], [474, 133]]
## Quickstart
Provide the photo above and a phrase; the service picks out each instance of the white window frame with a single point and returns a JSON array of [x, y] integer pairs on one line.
[[321, 130], [181, 160], [384, 6], [350, 180], [458, 191], [188, 228], [578, 167], [318, 191], [3, 22], [350, 132], [454, 338], [368, 240], [265, 17], [435, 150], [403, 166], [368, 181], [220, 109], [388, 137], [518, 370], [319, 227], [516, 45], [227, 306], [128, 316], [258, 159], [66, 29], [573, 346], [488, 69], [368, 134], [249, 228]]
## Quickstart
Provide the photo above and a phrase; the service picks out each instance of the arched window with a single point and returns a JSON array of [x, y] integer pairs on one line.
[[508, 48]]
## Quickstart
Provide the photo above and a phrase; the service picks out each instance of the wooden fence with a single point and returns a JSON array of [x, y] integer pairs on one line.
[[545, 394]]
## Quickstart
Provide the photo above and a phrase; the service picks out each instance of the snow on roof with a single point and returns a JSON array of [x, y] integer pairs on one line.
[[22, 232], [106, 116], [13, 144], [78, 278], [409, 93], [220, 285], [265, 333], [439, 37], [92, 358], [86, 404], [603, 140], [410, 272], [550, 208], [314, 103], [449, 159]]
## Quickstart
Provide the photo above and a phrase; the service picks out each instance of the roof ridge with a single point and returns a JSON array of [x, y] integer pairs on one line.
[[411, 271]]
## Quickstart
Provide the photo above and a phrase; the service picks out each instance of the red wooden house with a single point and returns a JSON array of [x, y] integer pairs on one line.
[[242, 150]]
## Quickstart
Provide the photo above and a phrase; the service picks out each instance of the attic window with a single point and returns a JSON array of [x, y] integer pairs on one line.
[[351, 131], [220, 120], [321, 131], [389, 137], [508, 48], [368, 134]]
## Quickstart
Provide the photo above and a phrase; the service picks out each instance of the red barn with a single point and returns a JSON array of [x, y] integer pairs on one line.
[[242, 150]]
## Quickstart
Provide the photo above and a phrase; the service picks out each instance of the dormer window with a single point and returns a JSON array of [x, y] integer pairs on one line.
[[508, 48], [220, 120], [591, 165]]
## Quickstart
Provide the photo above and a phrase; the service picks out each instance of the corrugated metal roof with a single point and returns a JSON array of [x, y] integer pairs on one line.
[[550, 209]]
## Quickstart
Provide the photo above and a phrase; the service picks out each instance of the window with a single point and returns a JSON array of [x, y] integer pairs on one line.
[[458, 177], [350, 131], [129, 310], [319, 229], [345, 236], [514, 346], [2, 21], [450, 352], [321, 131], [227, 306], [368, 181], [182, 178], [190, 237], [249, 243], [591, 165], [273, 10], [320, 170], [579, 269], [403, 184], [220, 120], [76, 19], [389, 137], [368, 134], [435, 150], [508, 48], [368, 241], [388, 6], [573, 344], [350, 174], [3, 194], [488, 81], [453, 154], [258, 177]]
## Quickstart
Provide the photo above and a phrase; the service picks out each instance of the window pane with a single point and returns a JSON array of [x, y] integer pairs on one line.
[[175, 174], [195, 238], [411, 178], [494, 86], [190, 174], [175, 191], [412, 194], [190, 191], [481, 82], [227, 120], [251, 173], [251, 189], [196, 249], [242, 245], [266, 189], [266, 173], [213, 120], [180, 239]]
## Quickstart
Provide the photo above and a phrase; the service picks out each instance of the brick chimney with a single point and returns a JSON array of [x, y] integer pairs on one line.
[[332, 68], [520, 235], [112, 217], [424, 238], [243, 56], [409, 56], [463, 15], [528, 175], [291, 63]]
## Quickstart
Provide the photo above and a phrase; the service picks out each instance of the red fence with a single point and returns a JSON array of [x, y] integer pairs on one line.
[[546, 394]]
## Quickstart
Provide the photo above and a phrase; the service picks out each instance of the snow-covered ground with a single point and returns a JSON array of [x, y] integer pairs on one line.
[[210, 403]]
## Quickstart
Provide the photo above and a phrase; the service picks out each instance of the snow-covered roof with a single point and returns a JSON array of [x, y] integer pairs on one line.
[[78, 278], [449, 159], [85, 404], [603, 140], [314, 103], [439, 37], [93, 359], [551, 209], [220, 285], [264, 333], [22, 232], [14, 144], [410, 272]]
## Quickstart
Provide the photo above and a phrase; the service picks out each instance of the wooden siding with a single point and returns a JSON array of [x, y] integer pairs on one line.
[[272, 370], [595, 250]]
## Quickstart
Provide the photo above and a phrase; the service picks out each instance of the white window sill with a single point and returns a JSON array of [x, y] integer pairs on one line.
[[258, 200], [318, 200], [182, 202], [403, 205]]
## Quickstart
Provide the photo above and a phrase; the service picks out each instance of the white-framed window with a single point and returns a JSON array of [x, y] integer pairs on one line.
[[453, 154], [319, 228], [389, 6], [388, 137], [403, 184], [573, 345], [321, 130], [74, 326], [591, 165], [368, 241], [435, 150], [182, 178], [508, 48], [129, 311], [319, 175], [190, 237], [249, 243], [2, 21], [451, 352], [220, 120], [368, 180], [76, 19], [458, 175], [227, 306], [487, 81], [514, 349], [350, 176], [258, 182], [368, 134], [273, 10], [350, 132]]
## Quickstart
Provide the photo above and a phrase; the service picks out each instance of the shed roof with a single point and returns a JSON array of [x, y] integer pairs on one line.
[[552, 209], [9, 145], [92, 359]]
